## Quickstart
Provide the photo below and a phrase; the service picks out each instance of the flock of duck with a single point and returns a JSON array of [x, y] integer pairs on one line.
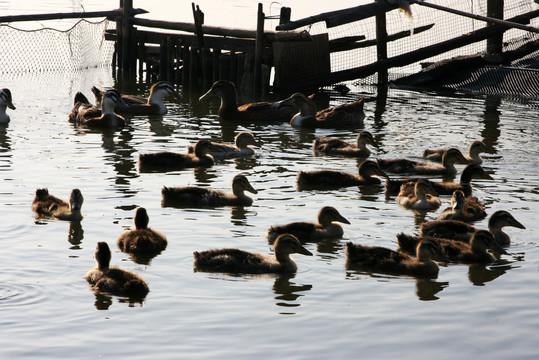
[[450, 238]]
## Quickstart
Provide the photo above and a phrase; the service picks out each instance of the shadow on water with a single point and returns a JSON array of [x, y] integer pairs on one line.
[[5, 148], [426, 289], [491, 131], [103, 301], [76, 234]]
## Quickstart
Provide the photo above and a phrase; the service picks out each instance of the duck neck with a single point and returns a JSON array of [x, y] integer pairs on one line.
[[449, 163], [284, 259], [3, 116], [107, 106], [466, 177]]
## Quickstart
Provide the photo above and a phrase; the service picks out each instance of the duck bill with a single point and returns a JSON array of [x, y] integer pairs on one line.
[[122, 104], [342, 219], [498, 248], [383, 173], [457, 206], [176, 95], [10, 105], [486, 176], [207, 95], [285, 102], [251, 189], [514, 222], [304, 251]]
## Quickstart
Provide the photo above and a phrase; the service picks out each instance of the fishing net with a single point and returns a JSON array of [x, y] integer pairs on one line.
[[431, 26], [81, 46]]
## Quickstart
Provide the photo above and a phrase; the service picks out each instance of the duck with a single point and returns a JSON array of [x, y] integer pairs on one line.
[[331, 146], [84, 113], [422, 198], [113, 280], [170, 160], [239, 149], [197, 196], [142, 240], [5, 102], [138, 105], [473, 157], [306, 231], [459, 230], [381, 259], [402, 166], [348, 115], [367, 171], [239, 261], [247, 113], [472, 171], [50, 206], [473, 252], [463, 208]]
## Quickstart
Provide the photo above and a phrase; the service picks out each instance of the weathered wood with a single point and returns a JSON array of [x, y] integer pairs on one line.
[[381, 45], [225, 31], [285, 14], [186, 65], [127, 6], [495, 43], [340, 17], [426, 52], [198, 16], [337, 45], [110, 14], [163, 65], [170, 59], [259, 48]]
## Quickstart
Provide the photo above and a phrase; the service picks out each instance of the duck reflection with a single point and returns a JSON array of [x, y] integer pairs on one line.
[[5, 148], [288, 292], [491, 116], [104, 301], [426, 289], [480, 274], [76, 234]]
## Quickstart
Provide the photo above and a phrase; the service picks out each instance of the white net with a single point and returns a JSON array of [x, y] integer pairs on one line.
[[80, 47]]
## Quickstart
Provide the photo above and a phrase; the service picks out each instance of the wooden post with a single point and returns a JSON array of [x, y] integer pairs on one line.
[[494, 44], [381, 45], [186, 66], [170, 59], [284, 17], [127, 7], [163, 65], [259, 49]]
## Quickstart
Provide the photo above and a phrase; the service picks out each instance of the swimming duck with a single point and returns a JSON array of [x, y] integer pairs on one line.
[[192, 195], [84, 113], [348, 115], [380, 259], [50, 206], [171, 160], [138, 105], [339, 147], [142, 240], [239, 149], [305, 231], [400, 166], [458, 230], [115, 281], [5, 102], [472, 171], [422, 198], [253, 112], [473, 252], [239, 261], [463, 208], [337, 179], [475, 148]]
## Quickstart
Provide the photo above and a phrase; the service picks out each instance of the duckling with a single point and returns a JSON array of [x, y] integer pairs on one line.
[[239, 149], [473, 252], [142, 240], [50, 206], [423, 197], [463, 208], [458, 230], [305, 231], [380, 259], [239, 261], [84, 113], [252, 113], [138, 105], [5, 102], [192, 195], [331, 146], [472, 171], [337, 179], [348, 115], [400, 166], [473, 157], [169, 160], [115, 281]]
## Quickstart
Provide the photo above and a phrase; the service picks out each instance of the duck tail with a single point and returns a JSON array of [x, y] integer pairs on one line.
[[80, 98], [407, 243]]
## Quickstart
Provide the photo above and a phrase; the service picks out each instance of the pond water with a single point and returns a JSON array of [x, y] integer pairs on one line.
[[324, 310]]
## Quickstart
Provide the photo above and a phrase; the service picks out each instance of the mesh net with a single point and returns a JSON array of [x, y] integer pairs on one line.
[[79, 47], [446, 26]]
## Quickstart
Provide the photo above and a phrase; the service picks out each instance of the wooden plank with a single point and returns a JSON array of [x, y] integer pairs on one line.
[[259, 48], [111, 14]]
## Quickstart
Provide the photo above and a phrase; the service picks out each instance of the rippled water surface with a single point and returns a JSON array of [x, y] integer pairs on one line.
[[324, 310]]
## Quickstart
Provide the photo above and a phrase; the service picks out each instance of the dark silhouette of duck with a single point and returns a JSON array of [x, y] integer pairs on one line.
[[86, 114], [332, 146], [329, 179], [463, 208], [142, 241], [170, 160], [46, 205], [473, 157], [405, 166]]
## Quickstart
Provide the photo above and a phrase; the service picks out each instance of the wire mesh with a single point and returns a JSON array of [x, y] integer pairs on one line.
[[79, 47]]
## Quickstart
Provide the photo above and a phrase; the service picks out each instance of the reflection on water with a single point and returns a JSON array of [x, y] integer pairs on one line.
[[76, 234], [287, 292], [426, 289]]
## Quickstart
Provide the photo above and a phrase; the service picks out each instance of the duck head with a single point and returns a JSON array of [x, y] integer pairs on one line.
[[287, 244], [160, 90], [241, 184], [111, 99], [365, 137], [102, 256], [141, 218], [503, 218], [482, 240], [452, 156], [76, 199], [329, 214], [245, 138], [370, 168], [5, 98]]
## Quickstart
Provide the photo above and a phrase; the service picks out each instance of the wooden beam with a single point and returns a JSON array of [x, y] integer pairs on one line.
[[72, 15]]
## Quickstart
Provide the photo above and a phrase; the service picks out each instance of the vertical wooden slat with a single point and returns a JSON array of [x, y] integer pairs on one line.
[[495, 43], [381, 45], [259, 49]]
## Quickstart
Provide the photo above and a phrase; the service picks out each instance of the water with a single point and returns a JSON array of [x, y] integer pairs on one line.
[[324, 310]]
